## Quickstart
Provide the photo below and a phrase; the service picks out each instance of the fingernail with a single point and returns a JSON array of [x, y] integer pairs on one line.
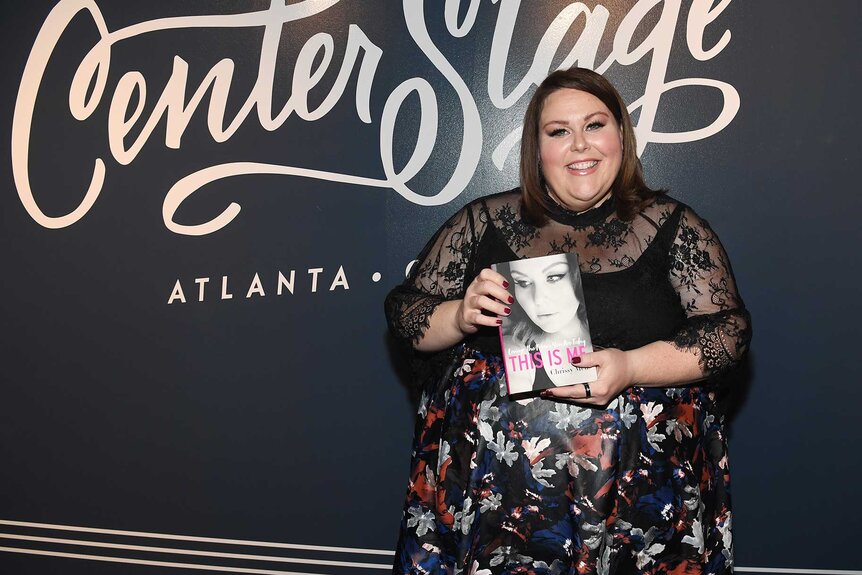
[[510, 300], [507, 310], [505, 284], [499, 322], [545, 394], [576, 359]]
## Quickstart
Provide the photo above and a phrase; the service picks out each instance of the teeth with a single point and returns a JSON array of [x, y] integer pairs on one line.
[[583, 165]]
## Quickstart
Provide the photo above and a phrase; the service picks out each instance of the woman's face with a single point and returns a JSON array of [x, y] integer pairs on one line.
[[581, 148], [543, 287]]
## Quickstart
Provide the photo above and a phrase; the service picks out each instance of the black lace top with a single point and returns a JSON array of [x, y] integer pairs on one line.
[[664, 275]]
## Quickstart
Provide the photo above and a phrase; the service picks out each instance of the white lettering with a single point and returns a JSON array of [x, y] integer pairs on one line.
[[583, 52], [450, 16], [315, 57], [657, 44], [96, 64], [340, 280], [700, 15], [201, 285], [177, 294], [224, 293], [314, 272], [285, 283], [409, 267], [255, 287]]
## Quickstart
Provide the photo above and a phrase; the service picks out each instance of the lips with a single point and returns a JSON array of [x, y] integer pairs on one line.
[[581, 166]]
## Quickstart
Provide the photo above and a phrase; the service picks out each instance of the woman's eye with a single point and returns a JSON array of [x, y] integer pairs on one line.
[[557, 133], [554, 278], [594, 126], [523, 283]]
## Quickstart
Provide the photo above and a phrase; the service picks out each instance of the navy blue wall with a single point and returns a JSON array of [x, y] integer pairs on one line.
[[283, 418]]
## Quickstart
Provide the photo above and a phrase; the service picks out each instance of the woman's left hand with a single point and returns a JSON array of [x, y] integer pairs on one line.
[[616, 373]]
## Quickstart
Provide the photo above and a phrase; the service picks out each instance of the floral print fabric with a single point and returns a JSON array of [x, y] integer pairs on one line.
[[540, 486], [549, 487]]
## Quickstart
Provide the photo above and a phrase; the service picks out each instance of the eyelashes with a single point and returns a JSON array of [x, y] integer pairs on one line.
[[592, 126], [550, 278]]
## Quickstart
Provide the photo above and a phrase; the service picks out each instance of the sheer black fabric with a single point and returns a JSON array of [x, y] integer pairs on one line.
[[687, 267]]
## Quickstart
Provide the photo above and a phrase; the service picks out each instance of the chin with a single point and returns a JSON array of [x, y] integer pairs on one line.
[[551, 329], [579, 202]]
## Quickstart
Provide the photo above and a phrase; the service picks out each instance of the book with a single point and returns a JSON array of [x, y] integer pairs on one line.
[[547, 326]]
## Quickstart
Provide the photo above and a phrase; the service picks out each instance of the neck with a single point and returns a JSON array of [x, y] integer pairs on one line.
[[557, 201]]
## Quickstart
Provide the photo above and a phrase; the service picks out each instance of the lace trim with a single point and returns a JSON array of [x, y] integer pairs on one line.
[[413, 312], [719, 339]]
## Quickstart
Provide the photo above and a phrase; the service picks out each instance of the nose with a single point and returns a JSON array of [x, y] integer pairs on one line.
[[541, 297], [579, 142]]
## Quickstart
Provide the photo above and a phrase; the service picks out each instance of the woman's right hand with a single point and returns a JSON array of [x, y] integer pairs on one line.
[[486, 293], [454, 319]]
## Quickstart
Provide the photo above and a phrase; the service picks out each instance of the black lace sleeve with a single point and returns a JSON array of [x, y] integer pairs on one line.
[[718, 327], [438, 275]]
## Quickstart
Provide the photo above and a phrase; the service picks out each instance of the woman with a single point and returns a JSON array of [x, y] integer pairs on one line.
[[550, 321], [627, 476]]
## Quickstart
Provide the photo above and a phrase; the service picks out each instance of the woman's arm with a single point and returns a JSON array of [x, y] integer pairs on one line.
[[713, 339], [453, 320], [433, 309], [658, 364]]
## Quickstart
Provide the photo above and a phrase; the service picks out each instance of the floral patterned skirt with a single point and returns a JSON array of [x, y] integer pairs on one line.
[[500, 486]]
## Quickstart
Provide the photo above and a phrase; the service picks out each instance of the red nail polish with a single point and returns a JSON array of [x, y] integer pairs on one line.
[[576, 359], [505, 284], [511, 300], [499, 322], [507, 310]]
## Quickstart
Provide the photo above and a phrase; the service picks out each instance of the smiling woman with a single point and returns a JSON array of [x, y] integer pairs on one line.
[[580, 147], [628, 475], [570, 123]]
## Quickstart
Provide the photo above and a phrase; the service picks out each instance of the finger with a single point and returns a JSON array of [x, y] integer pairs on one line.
[[579, 392], [491, 275], [494, 290], [588, 359], [472, 314], [485, 306], [493, 284], [492, 306], [481, 319]]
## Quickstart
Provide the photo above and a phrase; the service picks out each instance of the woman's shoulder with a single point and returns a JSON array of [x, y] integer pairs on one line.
[[509, 200], [673, 218], [483, 210], [473, 218], [666, 210], [513, 195], [671, 206], [490, 203]]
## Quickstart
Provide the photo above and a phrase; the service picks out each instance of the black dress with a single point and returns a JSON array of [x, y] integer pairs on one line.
[[499, 486]]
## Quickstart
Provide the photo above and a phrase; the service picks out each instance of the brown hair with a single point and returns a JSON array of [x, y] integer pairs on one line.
[[629, 189]]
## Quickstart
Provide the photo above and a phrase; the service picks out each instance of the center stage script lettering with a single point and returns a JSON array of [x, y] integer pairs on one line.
[[88, 90]]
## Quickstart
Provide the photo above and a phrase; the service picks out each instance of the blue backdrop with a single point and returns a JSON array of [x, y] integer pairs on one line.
[[204, 204]]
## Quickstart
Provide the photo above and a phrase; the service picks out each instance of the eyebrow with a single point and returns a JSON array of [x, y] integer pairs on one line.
[[585, 118], [555, 264], [543, 270]]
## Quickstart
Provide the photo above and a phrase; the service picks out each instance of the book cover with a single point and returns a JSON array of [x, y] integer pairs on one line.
[[547, 326]]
